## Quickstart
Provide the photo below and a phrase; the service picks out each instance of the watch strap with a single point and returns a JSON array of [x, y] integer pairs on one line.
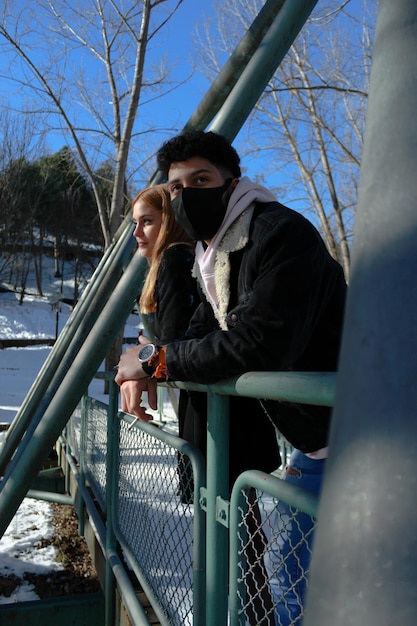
[[161, 371], [147, 368]]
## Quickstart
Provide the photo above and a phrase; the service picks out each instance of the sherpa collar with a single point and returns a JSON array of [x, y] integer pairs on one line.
[[235, 238]]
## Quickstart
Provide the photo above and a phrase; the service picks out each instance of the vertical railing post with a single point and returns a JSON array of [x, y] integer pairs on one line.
[[79, 504], [238, 537], [199, 547], [217, 486], [112, 468]]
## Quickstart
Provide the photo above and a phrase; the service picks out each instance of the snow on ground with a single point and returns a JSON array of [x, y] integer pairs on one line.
[[18, 369], [35, 318], [18, 552]]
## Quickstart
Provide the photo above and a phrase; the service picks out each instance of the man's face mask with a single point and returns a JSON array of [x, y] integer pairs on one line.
[[201, 211]]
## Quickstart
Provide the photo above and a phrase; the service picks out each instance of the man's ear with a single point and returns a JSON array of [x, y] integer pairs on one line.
[[230, 189]]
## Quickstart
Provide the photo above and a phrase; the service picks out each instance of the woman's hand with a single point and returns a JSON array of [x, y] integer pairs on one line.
[[133, 382], [131, 397], [142, 340], [129, 366]]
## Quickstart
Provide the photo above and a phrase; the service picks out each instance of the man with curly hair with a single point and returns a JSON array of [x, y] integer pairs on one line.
[[272, 300]]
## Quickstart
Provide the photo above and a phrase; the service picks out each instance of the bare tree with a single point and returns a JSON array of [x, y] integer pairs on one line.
[[84, 64], [307, 128]]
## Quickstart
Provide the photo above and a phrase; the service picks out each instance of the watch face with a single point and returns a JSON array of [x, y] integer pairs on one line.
[[146, 352]]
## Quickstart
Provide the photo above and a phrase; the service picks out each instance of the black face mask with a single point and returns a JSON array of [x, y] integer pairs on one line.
[[201, 211]]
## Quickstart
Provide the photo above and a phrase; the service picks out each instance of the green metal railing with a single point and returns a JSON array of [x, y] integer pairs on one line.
[[126, 475], [259, 527], [178, 550]]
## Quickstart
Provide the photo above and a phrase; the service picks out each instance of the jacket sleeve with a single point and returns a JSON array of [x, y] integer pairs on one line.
[[291, 296]]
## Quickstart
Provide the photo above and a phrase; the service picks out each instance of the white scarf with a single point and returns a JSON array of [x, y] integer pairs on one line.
[[245, 193]]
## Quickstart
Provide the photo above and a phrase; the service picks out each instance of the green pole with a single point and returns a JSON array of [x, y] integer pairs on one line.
[[217, 485], [364, 565], [112, 484], [262, 66], [233, 68]]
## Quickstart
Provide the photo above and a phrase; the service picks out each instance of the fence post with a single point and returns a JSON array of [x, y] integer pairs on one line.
[[217, 485], [112, 483], [79, 504]]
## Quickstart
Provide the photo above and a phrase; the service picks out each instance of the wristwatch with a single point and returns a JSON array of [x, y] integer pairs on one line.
[[147, 352], [148, 356], [153, 360]]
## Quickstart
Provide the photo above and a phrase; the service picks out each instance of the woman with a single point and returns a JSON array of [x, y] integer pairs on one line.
[[169, 296]]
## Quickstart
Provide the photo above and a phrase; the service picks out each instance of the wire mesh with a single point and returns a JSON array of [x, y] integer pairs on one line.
[[274, 543], [155, 518], [159, 531], [73, 431], [95, 455]]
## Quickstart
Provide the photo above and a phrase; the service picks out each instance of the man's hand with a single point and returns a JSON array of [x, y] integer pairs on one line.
[[129, 367], [131, 397]]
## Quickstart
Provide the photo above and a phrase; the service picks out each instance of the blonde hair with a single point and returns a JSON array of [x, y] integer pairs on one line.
[[170, 233]]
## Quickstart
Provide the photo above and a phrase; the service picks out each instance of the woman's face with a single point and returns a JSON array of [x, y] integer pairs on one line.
[[147, 225]]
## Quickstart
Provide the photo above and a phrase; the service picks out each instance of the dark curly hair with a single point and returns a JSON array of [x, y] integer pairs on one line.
[[207, 145]]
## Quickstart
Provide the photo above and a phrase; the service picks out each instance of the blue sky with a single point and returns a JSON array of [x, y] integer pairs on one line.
[[170, 114], [176, 44], [179, 33], [186, 98]]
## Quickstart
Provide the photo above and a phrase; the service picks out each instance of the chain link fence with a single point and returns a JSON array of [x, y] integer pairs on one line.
[[154, 517], [162, 532], [94, 444], [273, 544], [154, 521]]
